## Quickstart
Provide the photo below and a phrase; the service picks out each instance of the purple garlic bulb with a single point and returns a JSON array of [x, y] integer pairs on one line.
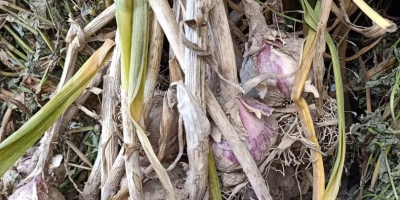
[[260, 135], [273, 62]]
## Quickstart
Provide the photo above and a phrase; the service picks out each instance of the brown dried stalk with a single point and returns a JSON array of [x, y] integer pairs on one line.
[[100, 21], [156, 40], [166, 18], [197, 138], [76, 41], [224, 51], [111, 85], [131, 152], [197, 129], [225, 55], [111, 185]]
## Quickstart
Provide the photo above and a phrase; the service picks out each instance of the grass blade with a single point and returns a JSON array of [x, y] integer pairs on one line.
[[332, 188], [215, 190]]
